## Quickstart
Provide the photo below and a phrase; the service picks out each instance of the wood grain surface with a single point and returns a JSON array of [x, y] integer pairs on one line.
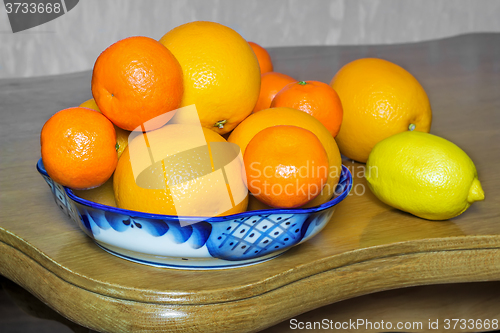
[[414, 307], [366, 247]]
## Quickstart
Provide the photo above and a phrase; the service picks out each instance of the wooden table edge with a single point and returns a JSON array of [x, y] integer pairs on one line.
[[231, 294], [254, 313]]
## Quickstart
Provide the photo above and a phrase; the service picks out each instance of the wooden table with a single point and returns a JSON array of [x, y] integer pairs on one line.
[[366, 247]]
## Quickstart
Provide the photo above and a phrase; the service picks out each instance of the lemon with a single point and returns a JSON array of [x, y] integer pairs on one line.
[[424, 175], [103, 194]]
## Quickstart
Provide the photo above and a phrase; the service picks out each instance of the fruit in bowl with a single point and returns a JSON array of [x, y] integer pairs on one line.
[[164, 187], [248, 129], [136, 80], [148, 226], [197, 174], [218, 242], [285, 166], [221, 74], [78, 146]]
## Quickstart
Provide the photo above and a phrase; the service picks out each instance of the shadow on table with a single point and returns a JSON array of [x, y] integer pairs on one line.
[[21, 312]]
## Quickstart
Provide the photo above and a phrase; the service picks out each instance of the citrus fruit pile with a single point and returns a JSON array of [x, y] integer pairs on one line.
[[199, 123]]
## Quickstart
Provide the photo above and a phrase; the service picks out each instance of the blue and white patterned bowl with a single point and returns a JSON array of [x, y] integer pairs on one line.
[[218, 242]]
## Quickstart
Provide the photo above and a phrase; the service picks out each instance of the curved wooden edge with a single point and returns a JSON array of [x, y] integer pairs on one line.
[[104, 313], [292, 275]]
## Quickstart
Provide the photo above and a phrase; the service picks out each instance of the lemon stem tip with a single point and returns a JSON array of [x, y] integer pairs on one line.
[[411, 127], [476, 192]]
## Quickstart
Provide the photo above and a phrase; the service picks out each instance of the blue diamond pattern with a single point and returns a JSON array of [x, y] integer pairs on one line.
[[256, 235]]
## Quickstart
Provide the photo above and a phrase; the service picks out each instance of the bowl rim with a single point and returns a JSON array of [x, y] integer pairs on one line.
[[136, 214]]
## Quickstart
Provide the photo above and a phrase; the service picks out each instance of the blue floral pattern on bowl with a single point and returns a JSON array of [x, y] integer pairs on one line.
[[218, 242]]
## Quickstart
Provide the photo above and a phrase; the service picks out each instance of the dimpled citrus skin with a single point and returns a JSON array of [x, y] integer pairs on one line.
[[221, 73], [129, 195], [78, 148], [121, 134], [424, 175], [288, 116], [316, 98], [286, 166], [135, 80], [379, 99]]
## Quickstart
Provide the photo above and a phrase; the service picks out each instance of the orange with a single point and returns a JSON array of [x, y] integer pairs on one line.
[[265, 63], [221, 73], [136, 80], [314, 97], [379, 99], [288, 116], [286, 166], [121, 134], [270, 84], [183, 182], [78, 148]]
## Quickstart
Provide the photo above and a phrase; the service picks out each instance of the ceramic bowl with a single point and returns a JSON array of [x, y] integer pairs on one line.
[[218, 242]]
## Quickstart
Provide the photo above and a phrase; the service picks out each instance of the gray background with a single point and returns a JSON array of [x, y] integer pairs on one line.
[[72, 42]]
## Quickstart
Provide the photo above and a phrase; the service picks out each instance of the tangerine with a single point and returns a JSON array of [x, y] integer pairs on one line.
[[121, 134], [135, 80], [256, 122], [270, 84], [78, 148], [316, 98], [265, 62], [286, 166]]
